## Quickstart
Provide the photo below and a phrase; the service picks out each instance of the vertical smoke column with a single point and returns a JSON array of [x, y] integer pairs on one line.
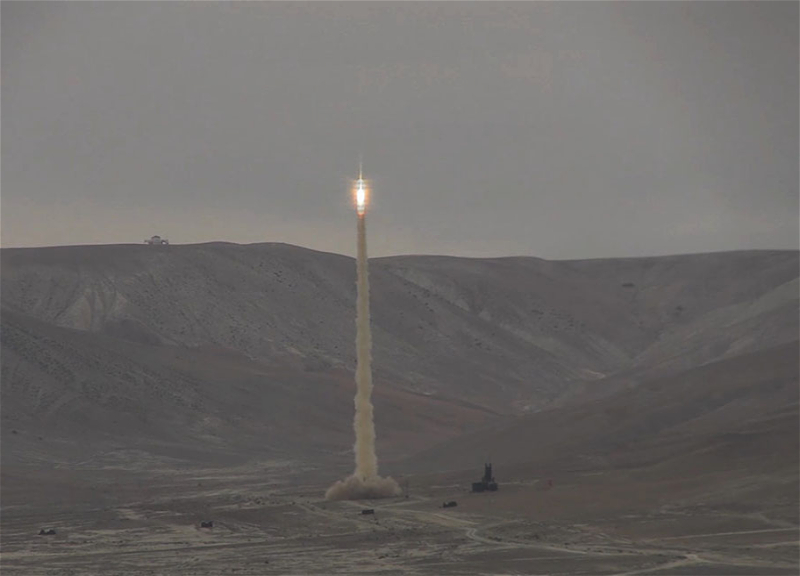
[[364, 482], [366, 460]]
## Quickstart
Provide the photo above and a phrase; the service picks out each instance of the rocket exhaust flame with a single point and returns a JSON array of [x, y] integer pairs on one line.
[[364, 482], [361, 193], [361, 197]]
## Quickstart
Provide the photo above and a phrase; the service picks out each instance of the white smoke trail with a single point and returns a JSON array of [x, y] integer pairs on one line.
[[365, 482], [364, 425]]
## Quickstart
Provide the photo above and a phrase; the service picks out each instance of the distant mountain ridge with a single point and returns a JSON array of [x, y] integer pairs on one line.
[[509, 333]]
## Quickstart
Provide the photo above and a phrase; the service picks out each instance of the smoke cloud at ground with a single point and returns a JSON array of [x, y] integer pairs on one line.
[[357, 488], [365, 482]]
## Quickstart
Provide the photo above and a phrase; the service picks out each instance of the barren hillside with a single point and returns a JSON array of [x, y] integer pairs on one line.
[[145, 389], [726, 412], [509, 333]]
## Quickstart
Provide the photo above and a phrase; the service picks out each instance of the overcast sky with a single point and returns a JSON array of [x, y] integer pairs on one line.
[[558, 130]]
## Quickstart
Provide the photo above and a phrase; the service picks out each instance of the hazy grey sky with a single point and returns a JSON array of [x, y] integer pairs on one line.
[[559, 130]]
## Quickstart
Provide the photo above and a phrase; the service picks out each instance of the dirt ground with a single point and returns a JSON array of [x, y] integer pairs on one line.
[[270, 518]]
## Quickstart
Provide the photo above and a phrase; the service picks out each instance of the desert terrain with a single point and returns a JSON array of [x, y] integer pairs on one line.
[[266, 525], [641, 414]]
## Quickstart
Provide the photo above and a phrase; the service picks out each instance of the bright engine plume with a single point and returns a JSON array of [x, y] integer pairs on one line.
[[361, 194], [364, 482]]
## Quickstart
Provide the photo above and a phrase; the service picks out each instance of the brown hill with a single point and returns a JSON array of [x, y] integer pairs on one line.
[[726, 413], [68, 394], [509, 333]]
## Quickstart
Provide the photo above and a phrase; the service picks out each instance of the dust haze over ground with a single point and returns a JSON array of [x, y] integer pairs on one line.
[[641, 414], [364, 482]]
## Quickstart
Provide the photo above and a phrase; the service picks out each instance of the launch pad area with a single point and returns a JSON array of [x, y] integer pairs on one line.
[[270, 518]]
